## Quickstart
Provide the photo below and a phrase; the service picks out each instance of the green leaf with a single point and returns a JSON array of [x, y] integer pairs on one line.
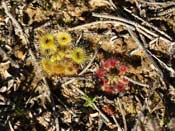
[[88, 101]]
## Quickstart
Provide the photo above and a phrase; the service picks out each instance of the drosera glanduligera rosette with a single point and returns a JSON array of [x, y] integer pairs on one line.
[[111, 76], [59, 55]]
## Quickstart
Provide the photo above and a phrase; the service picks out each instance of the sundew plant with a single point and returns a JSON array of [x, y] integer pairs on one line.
[[59, 56]]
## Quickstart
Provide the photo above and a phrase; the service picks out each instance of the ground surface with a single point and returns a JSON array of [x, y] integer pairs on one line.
[[127, 80]]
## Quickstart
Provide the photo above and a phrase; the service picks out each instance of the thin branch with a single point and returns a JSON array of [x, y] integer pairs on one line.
[[115, 23], [66, 107], [100, 124], [148, 24], [166, 11], [79, 38], [157, 106], [118, 19], [157, 3], [10, 126], [129, 22], [57, 124], [19, 29], [140, 45], [106, 120], [113, 5], [143, 40], [135, 82], [123, 114], [16, 24], [116, 122], [145, 34], [171, 70]]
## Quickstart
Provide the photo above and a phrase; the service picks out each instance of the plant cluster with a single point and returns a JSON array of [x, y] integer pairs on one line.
[[59, 56], [111, 76]]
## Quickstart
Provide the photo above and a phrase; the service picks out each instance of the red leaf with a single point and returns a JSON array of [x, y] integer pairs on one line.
[[109, 63], [123, 68], [106, 64], [100, 73], [108, 89], [125, 80], [113, 62], [105, 82], [120, 86]]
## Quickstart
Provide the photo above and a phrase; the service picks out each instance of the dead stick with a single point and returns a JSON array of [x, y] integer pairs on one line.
[[115, 23], [131, 23]]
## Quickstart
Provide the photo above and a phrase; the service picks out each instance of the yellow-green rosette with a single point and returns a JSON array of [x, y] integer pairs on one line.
[[64, 39], [47, 44], [78, 55]]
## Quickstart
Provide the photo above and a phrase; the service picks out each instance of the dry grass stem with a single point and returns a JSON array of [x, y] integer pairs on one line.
[[171, 70], [148, 24], [16, 24], [89, 25], [135, 24], [158, 3], [123, 114], [140, 46], [136, 82], [115, 120]]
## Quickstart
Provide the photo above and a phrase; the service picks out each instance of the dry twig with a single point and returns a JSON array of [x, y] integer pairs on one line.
[[123, 114], [171, 70], [148, 24], [135, 24], [135, 82], [140, 45], [18, 28], [116, 122], [157, 3], [115, 23]]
